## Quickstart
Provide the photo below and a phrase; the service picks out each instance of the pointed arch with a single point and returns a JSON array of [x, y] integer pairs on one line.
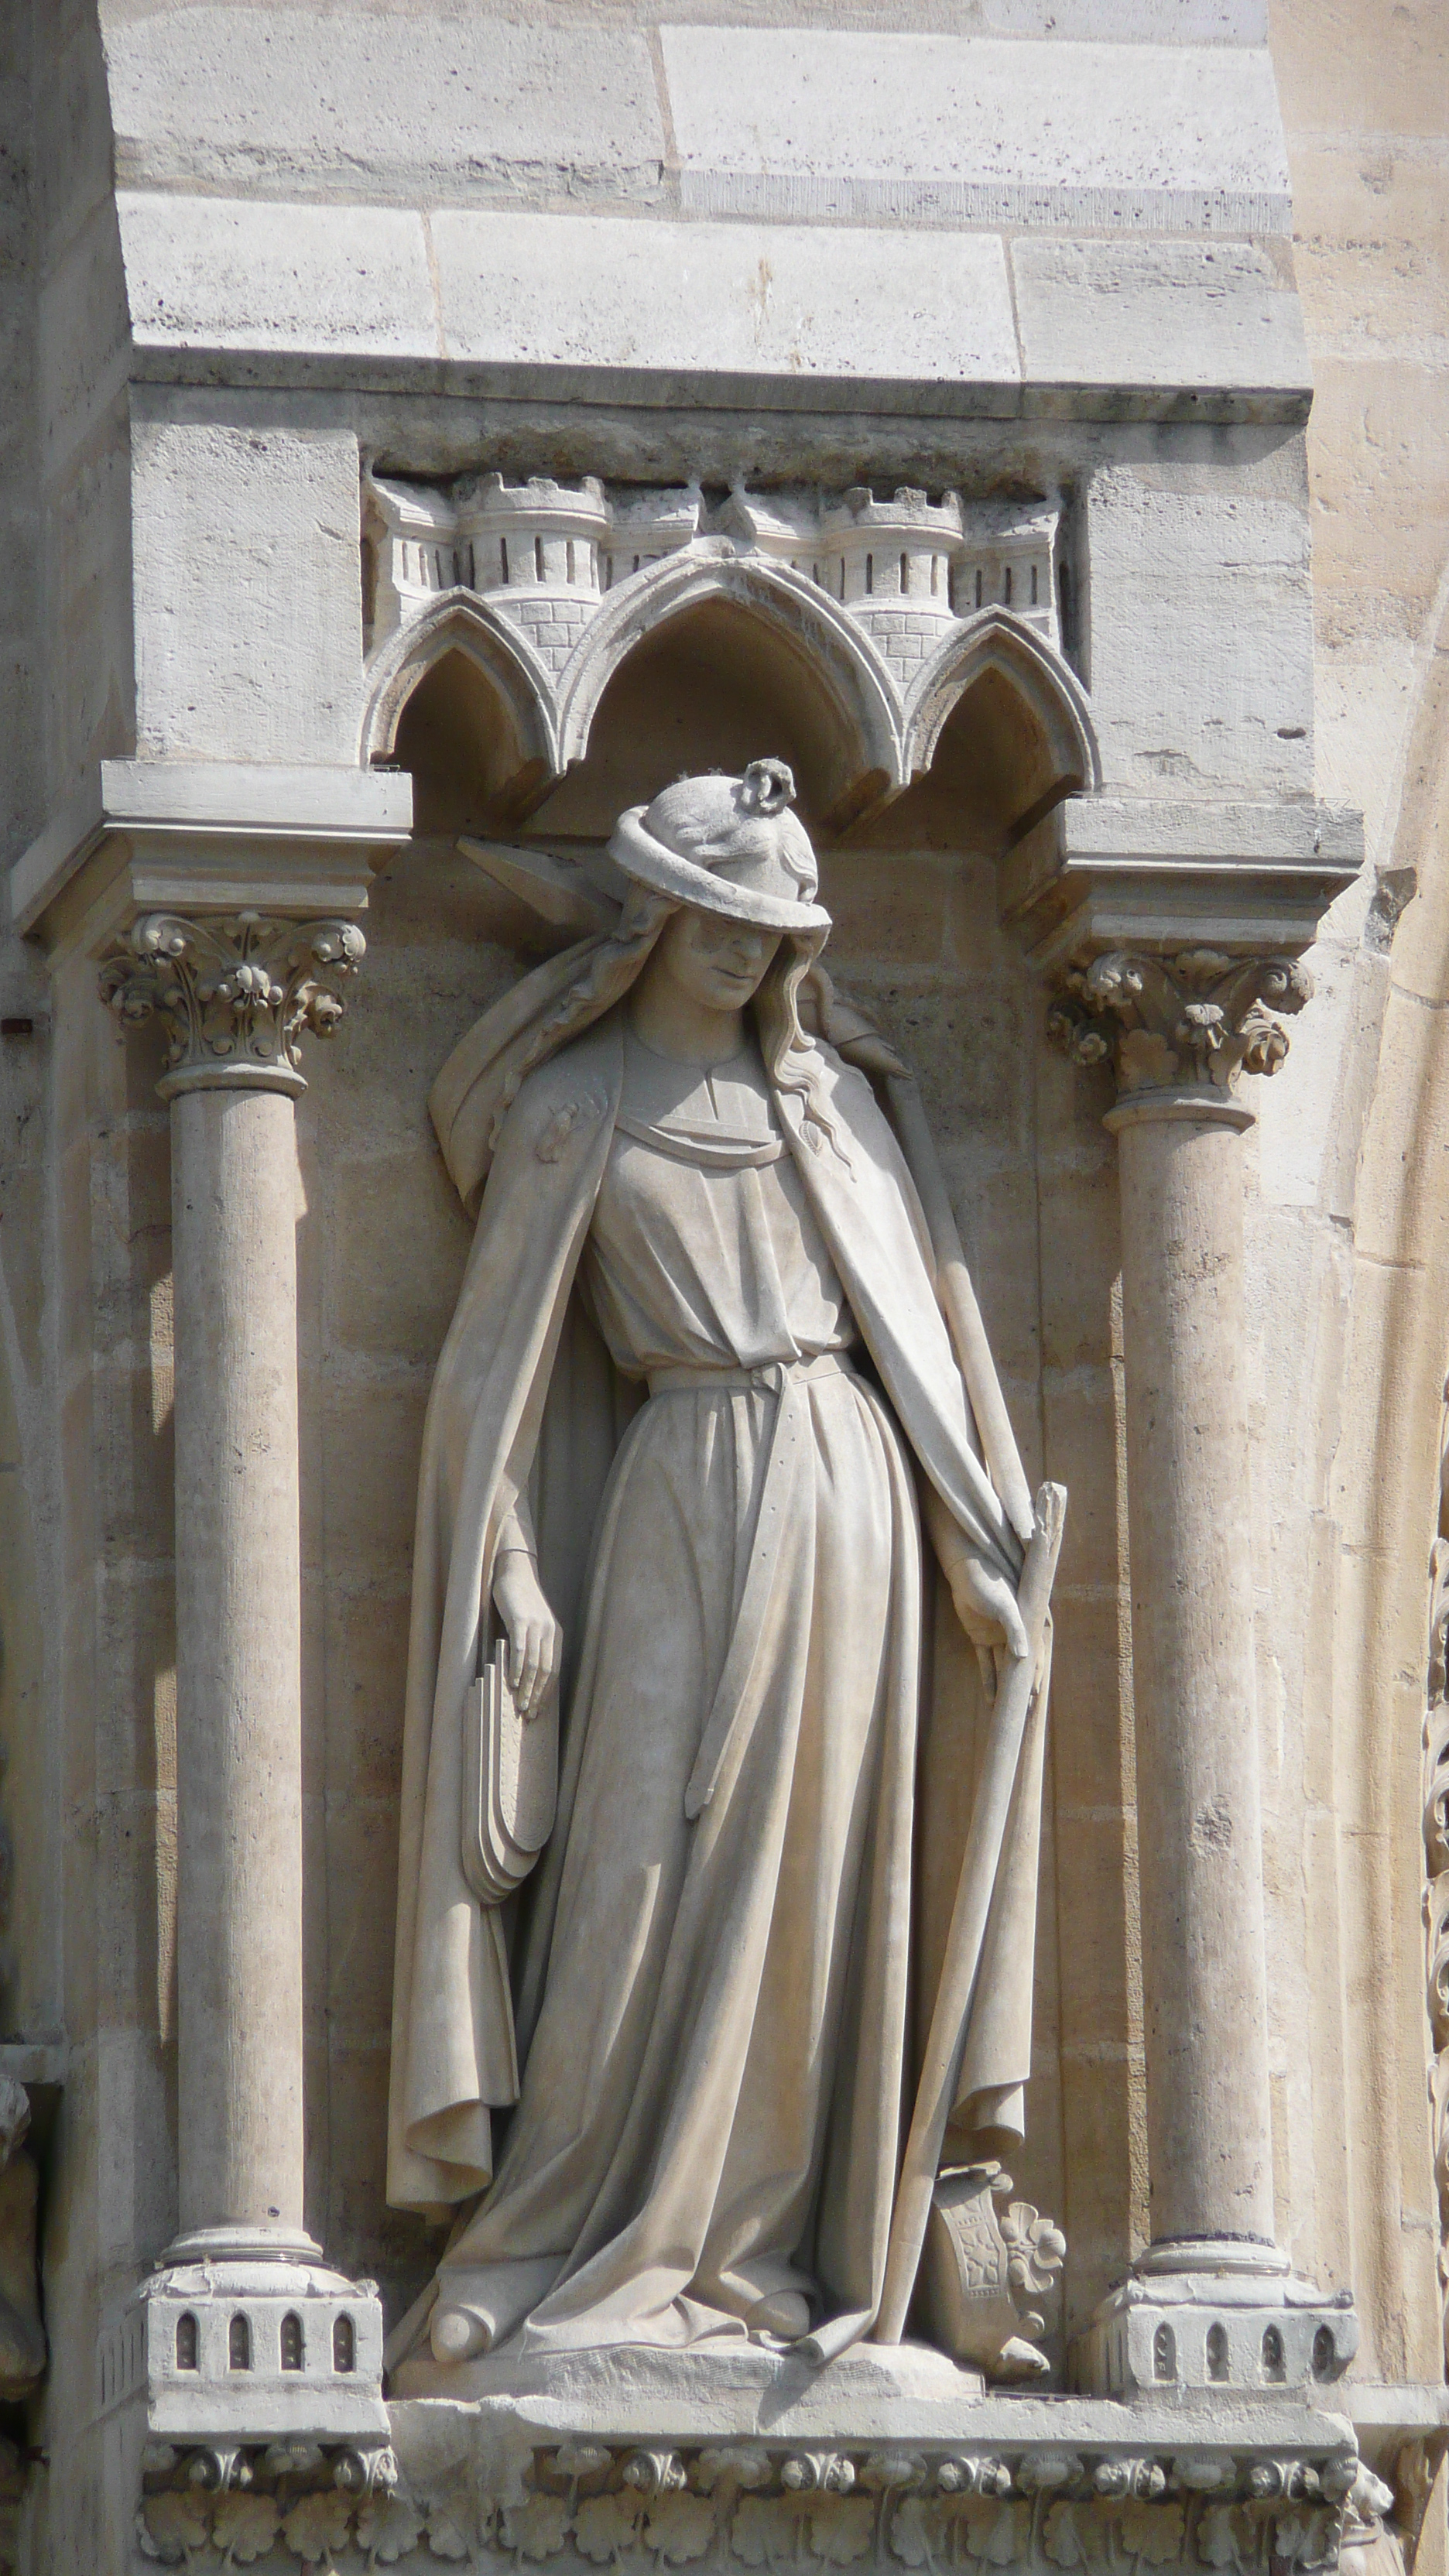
[[519, 682], [849, 689], [994, 641]]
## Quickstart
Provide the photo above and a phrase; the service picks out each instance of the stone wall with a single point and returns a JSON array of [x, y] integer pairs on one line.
[[1260, 611], [1348, 1236]]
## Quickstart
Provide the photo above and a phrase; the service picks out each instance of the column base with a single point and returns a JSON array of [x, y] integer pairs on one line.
[[245, 2342], [1203, 2313]]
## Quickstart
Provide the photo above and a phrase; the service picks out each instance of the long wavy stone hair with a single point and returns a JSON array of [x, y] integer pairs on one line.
[[607, 966]]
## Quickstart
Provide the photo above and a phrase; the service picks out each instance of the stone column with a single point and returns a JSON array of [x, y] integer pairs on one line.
[[238, 1665], [1179, 1029], [236, 995], [1199, 1826], [245, 2336]]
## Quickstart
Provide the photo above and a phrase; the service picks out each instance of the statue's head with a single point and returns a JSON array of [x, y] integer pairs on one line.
[[728, 845]]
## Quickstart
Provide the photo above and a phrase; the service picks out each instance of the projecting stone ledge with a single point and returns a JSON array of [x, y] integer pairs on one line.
[[887, 2458]]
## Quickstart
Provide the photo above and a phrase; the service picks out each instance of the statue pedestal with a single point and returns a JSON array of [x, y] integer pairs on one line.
[[887, 2457], [726, 2458], [707, 2392]]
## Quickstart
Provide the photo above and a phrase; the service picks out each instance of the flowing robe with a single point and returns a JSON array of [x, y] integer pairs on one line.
[[711, 1983]]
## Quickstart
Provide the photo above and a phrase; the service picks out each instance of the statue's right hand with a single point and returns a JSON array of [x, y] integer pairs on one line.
[[535, 1639]]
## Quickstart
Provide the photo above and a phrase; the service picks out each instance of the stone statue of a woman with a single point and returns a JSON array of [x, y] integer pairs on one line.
[[697, 1401]]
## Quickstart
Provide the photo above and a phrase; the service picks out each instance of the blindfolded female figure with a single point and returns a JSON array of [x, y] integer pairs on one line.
[[695, 1404]]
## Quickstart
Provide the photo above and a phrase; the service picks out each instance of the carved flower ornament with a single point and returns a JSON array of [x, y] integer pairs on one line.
[[235, 988], [1200, 1017]]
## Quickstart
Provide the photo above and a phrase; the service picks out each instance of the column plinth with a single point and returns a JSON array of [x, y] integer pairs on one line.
[[242, 2289], [1178, 1031]]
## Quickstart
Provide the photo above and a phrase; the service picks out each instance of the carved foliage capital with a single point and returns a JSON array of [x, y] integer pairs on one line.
[[236, 993], [1198, 1018]]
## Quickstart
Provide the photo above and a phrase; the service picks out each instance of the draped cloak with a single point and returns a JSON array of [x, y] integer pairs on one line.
[[527, 1410]]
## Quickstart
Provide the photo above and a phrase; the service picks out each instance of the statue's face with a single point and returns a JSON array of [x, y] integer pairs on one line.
[[716, 961]]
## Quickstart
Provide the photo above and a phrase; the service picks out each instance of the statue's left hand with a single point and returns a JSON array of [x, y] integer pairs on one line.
[[535, 1639], [986, 1604]]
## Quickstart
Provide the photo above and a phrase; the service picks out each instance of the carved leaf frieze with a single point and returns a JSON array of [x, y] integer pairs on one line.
[[743, 2505]]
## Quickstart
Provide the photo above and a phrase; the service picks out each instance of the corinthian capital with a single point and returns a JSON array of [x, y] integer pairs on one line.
[[1190, 1022], [236, 994]]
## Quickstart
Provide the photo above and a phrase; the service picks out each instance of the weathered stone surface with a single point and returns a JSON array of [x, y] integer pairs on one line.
[[234, 272], [764, 300], [391, 102], [928, 126], [169, 577]]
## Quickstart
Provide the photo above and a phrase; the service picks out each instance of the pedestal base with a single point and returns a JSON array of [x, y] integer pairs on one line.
[[1215, 2313], [887, 2459], [705, 2392], [243, 2350]]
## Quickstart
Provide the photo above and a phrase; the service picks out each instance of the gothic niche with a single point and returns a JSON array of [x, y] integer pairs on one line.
[[854, 674]]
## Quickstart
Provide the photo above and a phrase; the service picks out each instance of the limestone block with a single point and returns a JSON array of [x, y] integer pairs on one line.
[[1161, 22], [1104, 2202], [23, 1206], [361, 1866], [249, 632], [1231, 711], [743, 299], [1088, 1678], [1390, 303], [82, 337], [1381, 434], [1154, 314], [233, 273], [424, 101], [1081, 1413], [892, 915], [944, 126], [371, 1437], [87, 685], [388, 1302], [366, 1679], [1081, 1259], [965, 1036]]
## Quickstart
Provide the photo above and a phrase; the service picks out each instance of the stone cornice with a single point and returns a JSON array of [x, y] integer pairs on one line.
[[214, 836], [1160, 873]]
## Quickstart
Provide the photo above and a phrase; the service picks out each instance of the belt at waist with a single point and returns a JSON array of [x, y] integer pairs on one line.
[[771, 1377]]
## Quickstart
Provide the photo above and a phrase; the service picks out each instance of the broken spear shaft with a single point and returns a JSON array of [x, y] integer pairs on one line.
[[936, 2092]]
